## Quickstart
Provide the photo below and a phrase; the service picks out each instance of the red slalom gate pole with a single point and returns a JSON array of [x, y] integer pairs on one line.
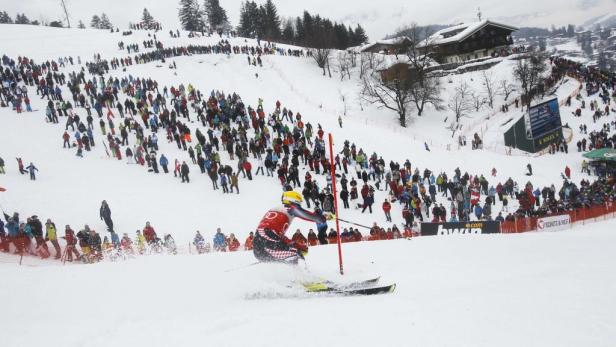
[[333, 173]]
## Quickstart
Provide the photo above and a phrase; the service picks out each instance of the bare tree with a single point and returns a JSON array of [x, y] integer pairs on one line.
[[393, 94], [426, 92], [460, 103], [506, 88], [425, 88], [477, 101], [489, 87], [68, 21], [321, 57], [367, 62], [529, 72], [343, 64]]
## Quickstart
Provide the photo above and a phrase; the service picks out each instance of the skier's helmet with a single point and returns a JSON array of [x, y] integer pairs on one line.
[[291, 197]]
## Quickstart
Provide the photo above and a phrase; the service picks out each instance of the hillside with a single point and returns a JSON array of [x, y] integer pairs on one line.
[[296, 82]]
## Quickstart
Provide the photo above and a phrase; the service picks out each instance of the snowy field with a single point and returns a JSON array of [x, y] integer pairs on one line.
[[534, 289]]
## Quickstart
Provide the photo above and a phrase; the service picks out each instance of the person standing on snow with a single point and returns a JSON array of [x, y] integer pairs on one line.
[[31, 169], [105, 214], [270, 243]]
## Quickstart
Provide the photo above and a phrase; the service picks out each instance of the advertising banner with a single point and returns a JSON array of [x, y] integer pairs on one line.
[[479, 227], [544, 118], [554, 223]]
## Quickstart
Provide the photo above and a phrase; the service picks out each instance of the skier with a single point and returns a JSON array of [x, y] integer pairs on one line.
[[270, 243]]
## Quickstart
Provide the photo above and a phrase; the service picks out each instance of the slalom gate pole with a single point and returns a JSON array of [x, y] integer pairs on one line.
[[333, 173]]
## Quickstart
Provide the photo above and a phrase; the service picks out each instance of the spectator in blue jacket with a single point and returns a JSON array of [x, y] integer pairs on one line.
[[220, 241], [478, 211], [163, 161]]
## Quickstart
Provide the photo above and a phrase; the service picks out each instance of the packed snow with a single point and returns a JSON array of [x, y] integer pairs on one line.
[[534, 289]]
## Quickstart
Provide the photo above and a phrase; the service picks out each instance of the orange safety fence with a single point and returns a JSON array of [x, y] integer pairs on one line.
[[580, 215]]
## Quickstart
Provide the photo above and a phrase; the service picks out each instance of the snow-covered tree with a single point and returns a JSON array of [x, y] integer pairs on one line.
[[191, 15], [5, 18], [147, 18], [81, 25], [21, 19], [105, 22], [460, 102], [95, 22], [216, 16]]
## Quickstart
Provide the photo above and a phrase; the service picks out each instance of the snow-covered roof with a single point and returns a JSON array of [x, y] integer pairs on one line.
[[461, 32], [387, 42]]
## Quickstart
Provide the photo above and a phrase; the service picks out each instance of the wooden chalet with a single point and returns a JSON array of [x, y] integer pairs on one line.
[[464, 42], [398, 45]]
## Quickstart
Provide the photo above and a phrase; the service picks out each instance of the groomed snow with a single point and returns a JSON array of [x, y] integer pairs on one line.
[[534, 289]]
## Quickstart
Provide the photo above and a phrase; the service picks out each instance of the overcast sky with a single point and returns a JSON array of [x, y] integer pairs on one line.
[[379, 17]]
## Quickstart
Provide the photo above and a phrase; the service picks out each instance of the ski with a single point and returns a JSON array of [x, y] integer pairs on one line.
[[356, 288], [353, 291], [367, 291], [326, 285], [358, 284]]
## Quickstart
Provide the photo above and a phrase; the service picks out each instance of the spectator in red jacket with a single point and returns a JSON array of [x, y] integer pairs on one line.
[[149, 233], [387, 210], [248, 169], [313, 240], [299, 239], [233, 243], [71, 244], [248, 242]]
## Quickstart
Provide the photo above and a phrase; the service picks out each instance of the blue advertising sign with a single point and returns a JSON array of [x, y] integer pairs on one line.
[[544, 118]]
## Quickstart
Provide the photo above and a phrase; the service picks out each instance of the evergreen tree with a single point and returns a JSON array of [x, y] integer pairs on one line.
[[288, 32], [300, 35], [5, 18], [81, 25], [271, 21], [359, 36], [191, 15], [56, 24], [147, 19], [216, 16], [95, 22], [341, 36], [105, 22], [21, 19]]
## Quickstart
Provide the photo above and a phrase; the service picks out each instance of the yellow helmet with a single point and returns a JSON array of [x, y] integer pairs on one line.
[[291, 197]]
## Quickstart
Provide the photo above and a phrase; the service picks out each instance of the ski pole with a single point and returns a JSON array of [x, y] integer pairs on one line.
[[352, 223]]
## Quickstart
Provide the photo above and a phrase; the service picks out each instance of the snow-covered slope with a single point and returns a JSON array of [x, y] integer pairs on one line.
[[535, 289], [69, 189]]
